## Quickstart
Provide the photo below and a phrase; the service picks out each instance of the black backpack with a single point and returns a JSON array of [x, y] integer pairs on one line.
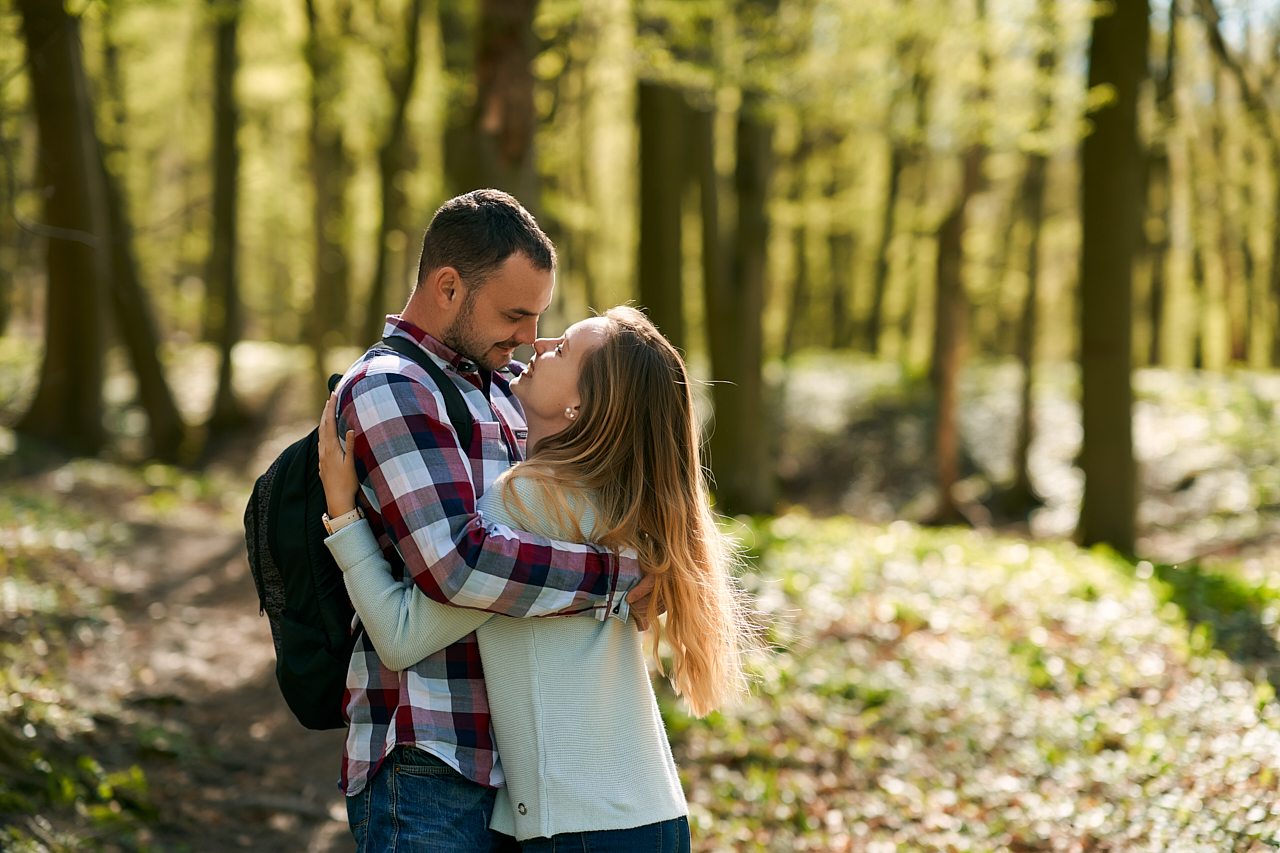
[[300, 587]]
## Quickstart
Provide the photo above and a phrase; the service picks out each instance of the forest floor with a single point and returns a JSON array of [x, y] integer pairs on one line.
[[926, 689], [139, 682]]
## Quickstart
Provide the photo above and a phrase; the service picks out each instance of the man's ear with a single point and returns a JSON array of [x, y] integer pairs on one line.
[[446, 288]]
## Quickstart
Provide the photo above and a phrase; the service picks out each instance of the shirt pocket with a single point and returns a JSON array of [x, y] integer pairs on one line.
[[489, 455]]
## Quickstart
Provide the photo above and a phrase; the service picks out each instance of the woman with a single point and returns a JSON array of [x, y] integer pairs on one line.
[[614, 461]]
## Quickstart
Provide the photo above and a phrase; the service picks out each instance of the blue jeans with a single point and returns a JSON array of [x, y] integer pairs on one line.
[[418, 804], [669, 836]]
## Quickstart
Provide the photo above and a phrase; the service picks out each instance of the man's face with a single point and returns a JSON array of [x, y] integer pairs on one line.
[[502, 314]]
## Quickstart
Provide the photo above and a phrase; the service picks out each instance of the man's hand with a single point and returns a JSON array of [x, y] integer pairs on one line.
[[639, 600]]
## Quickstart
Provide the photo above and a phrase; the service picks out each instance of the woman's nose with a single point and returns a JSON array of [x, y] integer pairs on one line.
[[541, 345]]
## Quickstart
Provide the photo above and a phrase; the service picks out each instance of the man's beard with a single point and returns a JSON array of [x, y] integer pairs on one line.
[[462, 338]]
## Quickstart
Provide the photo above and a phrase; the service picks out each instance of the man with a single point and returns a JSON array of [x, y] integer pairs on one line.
[[420, 764]]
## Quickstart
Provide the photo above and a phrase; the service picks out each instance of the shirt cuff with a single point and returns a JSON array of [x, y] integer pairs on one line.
[[352, 544], [617, 605]]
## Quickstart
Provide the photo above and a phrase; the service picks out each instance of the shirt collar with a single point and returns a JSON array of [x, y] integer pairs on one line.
[[399, 326]]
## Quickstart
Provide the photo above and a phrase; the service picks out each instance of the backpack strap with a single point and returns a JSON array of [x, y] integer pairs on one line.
[[455, 405]]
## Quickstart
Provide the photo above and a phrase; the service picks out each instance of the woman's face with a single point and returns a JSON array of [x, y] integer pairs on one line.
[[548, 387]]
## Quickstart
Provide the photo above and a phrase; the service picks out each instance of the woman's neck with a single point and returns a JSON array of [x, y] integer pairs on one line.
[[538, 430]]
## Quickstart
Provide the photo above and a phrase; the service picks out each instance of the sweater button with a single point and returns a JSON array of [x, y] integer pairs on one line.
[[522, 809]]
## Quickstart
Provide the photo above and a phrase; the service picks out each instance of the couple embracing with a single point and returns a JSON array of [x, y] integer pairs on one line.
[[475, 725]]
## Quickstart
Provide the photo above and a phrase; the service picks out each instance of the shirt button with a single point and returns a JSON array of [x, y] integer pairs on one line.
[[616, 607], [522, 809]]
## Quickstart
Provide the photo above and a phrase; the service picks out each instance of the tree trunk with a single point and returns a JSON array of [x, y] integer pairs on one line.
[[1159, 175], [879, 284], [951, 312], [1275, 257], [67, 410], [498, 141], [1159, 197], [223, 304], [798, 314], [327, 323], [951, 317], [702, 144], [735, 305], [1110, 208], [1022, 497], [798, 322], [918, 160], [663, 174], [134, 317], [840, 249], [400, 79], [137, 328]]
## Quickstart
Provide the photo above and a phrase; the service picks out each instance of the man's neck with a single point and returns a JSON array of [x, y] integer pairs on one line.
[[417, 314]]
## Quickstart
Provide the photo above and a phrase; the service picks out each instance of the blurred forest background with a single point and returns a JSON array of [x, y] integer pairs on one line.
[[1006, 268]]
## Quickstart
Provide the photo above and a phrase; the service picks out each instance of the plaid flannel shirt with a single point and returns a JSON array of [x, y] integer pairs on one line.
[[419, 490]]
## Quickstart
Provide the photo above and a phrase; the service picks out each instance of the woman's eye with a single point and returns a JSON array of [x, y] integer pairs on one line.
[[559, 349]]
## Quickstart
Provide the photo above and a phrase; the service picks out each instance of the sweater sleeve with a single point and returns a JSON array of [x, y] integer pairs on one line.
[[404, 625]]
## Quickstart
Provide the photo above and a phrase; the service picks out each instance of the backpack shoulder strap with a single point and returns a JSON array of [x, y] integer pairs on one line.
[[459, 414]]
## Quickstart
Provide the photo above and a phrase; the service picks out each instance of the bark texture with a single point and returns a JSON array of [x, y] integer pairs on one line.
[[735, 305], [223, 303], [1111, 205], [67, 410], [401, 72], [663, 176]]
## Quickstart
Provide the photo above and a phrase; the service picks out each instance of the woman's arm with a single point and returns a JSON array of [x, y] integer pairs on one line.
[[404, 625]]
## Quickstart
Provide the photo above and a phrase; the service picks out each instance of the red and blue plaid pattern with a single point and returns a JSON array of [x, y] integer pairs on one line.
[[419, 490]]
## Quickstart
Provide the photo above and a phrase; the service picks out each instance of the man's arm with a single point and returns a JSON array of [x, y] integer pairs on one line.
[[404, 625], [413, 470]]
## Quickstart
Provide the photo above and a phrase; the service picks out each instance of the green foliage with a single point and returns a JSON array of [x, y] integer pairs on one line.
[[47, 611], [954, 690]]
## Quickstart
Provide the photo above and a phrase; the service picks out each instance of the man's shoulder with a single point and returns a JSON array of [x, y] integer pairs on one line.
[[379, 367]]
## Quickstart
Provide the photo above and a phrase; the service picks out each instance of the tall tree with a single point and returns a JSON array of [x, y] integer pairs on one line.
[[735, 307], [1022, 496], [661, 112], [904, 149], [67, 409], [133, 313], [327, 325], [1111, 204], [498, 149], [799, 321], [223, 303], [840, 250], [951, 305], [1159, 176], [400, 65]]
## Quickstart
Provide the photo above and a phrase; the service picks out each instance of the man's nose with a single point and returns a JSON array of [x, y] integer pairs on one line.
[[527, 332]]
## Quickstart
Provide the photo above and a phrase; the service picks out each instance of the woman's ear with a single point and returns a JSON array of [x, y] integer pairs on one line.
[[571, 412]]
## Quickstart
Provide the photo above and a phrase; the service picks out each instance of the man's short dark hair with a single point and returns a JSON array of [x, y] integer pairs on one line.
[[475, 233]]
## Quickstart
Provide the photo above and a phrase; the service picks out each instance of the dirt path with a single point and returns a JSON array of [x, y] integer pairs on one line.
[[190, 663]]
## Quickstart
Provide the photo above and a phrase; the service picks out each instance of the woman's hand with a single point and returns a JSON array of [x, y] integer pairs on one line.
[[337, 468]]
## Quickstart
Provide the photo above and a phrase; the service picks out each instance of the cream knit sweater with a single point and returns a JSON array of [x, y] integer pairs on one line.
[[579, 735]]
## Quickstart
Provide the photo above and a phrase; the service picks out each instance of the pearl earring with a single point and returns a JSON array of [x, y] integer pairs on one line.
[[569, 413]]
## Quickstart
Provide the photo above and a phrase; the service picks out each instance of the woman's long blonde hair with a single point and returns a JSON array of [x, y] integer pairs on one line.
[[634, 445]]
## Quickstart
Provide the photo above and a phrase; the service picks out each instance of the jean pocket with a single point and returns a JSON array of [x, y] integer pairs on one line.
[[417, 762]]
